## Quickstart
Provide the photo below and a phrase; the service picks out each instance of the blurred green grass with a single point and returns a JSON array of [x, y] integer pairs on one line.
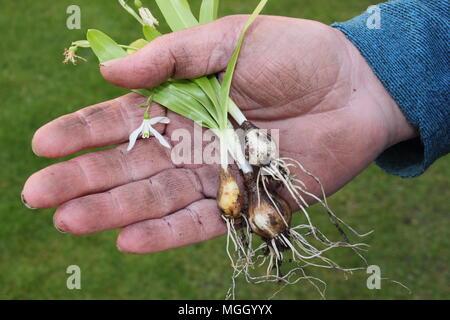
[[410, 217]]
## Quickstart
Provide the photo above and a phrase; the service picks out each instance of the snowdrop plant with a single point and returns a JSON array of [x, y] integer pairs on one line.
[[206, 101]]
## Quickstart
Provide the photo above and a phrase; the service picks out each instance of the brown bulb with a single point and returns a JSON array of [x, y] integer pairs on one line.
[[264, 218], [260, 149], [229, 197]]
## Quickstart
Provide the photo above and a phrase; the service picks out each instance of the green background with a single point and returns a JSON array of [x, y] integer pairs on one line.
[[410, 217]]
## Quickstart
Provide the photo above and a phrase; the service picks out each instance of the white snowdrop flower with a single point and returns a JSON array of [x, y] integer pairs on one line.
[[146, 130]]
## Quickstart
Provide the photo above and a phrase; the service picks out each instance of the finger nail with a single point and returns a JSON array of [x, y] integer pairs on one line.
[[60, 230], [34, 151], [59, 224], [119, 248], [22, 197], [33, 142]]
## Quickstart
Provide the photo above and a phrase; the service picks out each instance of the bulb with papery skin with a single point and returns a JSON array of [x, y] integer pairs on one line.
[[260, 149], [264, 215], [229, 197]]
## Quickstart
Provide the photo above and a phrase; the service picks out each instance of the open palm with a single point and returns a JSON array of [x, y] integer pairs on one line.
[[301, 77]]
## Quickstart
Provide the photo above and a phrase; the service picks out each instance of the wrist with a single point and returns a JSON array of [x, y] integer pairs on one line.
[[393, 122], [399, 127]]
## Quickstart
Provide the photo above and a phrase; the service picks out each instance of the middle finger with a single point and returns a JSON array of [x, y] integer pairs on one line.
[[95, 172], [158, 196]]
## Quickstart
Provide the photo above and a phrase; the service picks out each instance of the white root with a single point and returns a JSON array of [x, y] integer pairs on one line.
[[306, 243], [241, 257], [295, 239], [278, 170], [245, 258], [273, 273], [286, 279]]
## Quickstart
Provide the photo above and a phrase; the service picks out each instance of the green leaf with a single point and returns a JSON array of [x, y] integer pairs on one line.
[[138, 44], [228, 77], [168, 95], [208, 11], [192, 88], [150, 33], [103, 46], [205, 84], [215, 84], [177, 13]]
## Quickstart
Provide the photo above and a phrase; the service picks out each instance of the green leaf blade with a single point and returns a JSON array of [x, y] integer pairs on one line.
[[150, 33], [104, 47], [177, 13], [228, 77], [191, 87], [136, 45], [174, 99], [209, 11]]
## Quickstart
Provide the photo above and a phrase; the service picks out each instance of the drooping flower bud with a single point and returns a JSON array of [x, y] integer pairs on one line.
[[147, 17]]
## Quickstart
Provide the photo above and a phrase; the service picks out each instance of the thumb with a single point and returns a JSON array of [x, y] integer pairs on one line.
[[189, 53]]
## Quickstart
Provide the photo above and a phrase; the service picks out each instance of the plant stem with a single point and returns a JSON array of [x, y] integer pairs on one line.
[[223, 150], [131, 11], [128, 47], [236, 113]]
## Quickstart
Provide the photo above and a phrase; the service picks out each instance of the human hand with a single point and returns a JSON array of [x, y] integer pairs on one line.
[[301, 77]]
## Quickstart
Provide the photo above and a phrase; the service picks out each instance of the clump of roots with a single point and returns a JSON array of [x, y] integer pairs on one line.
[[259, 209]]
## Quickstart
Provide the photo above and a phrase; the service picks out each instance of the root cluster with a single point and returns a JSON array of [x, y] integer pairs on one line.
[[258, 210]]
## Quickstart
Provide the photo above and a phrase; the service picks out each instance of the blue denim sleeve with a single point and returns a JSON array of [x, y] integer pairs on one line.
[[408, 49]]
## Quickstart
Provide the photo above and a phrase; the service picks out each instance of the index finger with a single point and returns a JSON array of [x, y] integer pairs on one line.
[[185, 54], [104, 124]]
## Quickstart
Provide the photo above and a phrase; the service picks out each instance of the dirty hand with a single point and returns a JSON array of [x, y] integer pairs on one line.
[[301, 77]]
